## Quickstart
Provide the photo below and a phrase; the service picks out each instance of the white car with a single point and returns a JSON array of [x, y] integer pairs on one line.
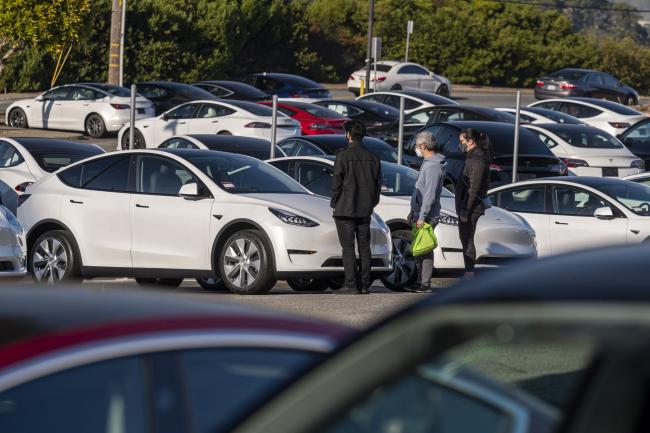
[[12, 246], [228, 117], [642, 178], [254, 147], [92, 108], [576, 213], [607, 115], [393, 75], [413, 99], [25, 160], [535, 115], [588, 151], [501, 236], [165, 215]]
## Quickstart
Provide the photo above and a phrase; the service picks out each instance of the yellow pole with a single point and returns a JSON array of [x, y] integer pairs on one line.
[[362, 87]]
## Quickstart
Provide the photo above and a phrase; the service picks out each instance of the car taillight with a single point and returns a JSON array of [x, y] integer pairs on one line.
[[258, 125], [496, 167], [23, 186], [121, 106], [567, 86], [539, 83], [573, 163], [619, 125], [351, 77], [379, 79], [22, 199]]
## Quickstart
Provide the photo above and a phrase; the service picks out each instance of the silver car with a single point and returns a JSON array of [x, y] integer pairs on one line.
[[12, 245]]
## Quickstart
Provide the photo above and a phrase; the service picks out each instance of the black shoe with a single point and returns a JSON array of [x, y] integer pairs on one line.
[[364, 291], [347, 291], [422, 288]]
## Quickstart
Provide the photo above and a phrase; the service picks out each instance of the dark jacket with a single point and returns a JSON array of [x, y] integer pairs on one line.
[[472, 185], [356, 182]]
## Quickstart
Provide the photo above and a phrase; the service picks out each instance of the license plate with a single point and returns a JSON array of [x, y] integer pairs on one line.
[[140, 110], [610, 171], [551, 87]]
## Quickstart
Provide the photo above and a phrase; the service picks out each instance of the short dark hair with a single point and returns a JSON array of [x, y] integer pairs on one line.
[[356, 129]]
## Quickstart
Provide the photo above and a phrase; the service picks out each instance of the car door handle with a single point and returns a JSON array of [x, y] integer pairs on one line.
[[141, 206], [561, 223], [76, 202], [215, 121], [86, 105], [57, 105], [182, 123]]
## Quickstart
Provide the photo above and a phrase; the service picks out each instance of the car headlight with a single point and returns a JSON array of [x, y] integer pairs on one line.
[[448, 219], [292, 219]]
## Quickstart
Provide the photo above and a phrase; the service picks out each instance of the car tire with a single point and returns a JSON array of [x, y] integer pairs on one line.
[[443, 90], [404, 268], [212, 284], [335, 283], [308, 284], [138, 140], [95, 126], [396, 87], [54, 258], [167, 283], [224, 133], [246, 247], [18, 118]]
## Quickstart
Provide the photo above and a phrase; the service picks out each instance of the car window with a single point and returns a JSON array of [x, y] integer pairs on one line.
[[449, 140], [309, 149], [58, 94], [609, 80], [51, 160], [420, 117], [289, 147], [85, 94], [316, 177], [523, 199], [412, 69], [105, 397], [213, 110], [578, 110], [161, 176], [634, 196], [638, 138], [9, 156], [374, 98], [177, 143], [105, 174], [149, 91], [550, 105], [185, 111], [222, 384], [573, 201], [591, 139], [419, 71], [266, 84], [343, 109], [546, 139], [595, 79], [449, 114], [219, 92], [286, 111]]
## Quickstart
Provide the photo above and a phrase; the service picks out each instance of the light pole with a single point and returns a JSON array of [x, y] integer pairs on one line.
[[122, 30], [409, 30], [371, 17]]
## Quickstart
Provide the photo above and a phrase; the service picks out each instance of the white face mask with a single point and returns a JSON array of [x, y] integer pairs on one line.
[[418, 152]]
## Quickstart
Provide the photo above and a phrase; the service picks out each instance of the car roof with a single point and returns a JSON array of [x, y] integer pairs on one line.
[[34, 144], [229, 140], [429, 97], [336, 141], [290, 78]]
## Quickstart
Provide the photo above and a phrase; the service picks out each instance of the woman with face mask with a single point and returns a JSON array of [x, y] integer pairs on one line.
[[425, 201]]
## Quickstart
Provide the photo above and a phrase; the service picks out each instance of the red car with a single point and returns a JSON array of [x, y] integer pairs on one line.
[[83, 361], [314, 119]]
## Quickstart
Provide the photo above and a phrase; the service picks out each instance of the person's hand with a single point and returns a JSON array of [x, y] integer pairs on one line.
[[463, 219], [419, 224]]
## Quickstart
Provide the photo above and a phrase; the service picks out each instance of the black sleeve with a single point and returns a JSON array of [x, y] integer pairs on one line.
[[337, 180]]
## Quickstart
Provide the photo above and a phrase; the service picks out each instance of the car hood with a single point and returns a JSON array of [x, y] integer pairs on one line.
[[313, 206]]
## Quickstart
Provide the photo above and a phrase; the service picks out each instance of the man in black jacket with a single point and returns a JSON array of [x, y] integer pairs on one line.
[[356, 185]]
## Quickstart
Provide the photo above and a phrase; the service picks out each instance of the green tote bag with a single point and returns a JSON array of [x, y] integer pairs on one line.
[[423, 240]]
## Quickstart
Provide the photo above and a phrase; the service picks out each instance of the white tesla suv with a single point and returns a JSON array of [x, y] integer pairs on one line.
[[12, 246], [228, 117], [501, 236], [165, 215], [93, 108]]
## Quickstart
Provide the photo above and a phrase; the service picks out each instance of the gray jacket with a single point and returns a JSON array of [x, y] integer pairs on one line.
[[425, 201]]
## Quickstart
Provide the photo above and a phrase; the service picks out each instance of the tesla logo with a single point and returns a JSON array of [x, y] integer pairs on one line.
[[611, 159], [527, 163]]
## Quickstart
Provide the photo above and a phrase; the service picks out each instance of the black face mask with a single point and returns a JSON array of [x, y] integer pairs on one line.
[[463, 147]]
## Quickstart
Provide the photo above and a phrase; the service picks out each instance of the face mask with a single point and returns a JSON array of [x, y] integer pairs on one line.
[[418, 152], [463, 147]]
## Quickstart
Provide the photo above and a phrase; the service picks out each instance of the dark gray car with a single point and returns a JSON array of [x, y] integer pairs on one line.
[[584, 82]]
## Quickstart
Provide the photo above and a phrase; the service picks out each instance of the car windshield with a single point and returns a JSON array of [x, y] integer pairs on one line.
[[632, 195], [51, 160], [398, 180], [253, 108], [113, 90], [238, 174], [591, 139], [502, 141]]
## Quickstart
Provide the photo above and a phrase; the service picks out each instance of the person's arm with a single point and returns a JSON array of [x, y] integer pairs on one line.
[[476, 171], [428, 195], [337, 181], [377, 185]]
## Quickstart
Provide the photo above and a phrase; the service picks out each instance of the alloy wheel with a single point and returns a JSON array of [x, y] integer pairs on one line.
[[17, 119], [403, 263], [95, 126], [50, 261], [241, 262]]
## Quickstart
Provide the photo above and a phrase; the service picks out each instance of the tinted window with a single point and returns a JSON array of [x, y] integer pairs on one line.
[[289, 147], [617, 108], [449, 114], [113, 90], [638, 138], [161, 176], [574, 201], [177, 143], [183, 112], [105, 174], [632, 195], [266, 84], [590, 139], [595, 79], [374, 98], [308, 149], [449, 140], [393, 101], [217, 91], [546, 139], [556, 116], [525, 199], [579, 111], [9, 156], [383, 111], [106, 397], [286, 111], [316, 177], [317, 111], [213, 110], [609, 80], [502, 141], [57, 94], [567, 74], [412, 69], [380, 67], [149, 91], [421, 117], [85, 94], [397, 180], [51, 160], [283, 166], [344, 110]]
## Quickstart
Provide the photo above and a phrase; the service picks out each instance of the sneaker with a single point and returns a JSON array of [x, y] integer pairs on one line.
[[423, 288], [347, 291]]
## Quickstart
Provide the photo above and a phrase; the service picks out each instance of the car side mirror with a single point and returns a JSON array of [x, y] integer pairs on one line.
[[604, 212], [40, 98], [190, 190], [165, 117]]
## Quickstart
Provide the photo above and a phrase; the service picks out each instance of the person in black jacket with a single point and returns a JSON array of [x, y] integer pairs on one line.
[[471, 191], [356, 185]]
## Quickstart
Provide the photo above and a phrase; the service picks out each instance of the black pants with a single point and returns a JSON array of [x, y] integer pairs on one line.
[[466, 231], [348, 229]]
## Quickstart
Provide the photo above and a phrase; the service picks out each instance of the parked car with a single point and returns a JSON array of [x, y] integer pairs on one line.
[[637, 139], [642, 178], [92, 108], [184, 213], [232, 90], [380, 120], [606, 115], [13, 253], [136, 362], [500, 236], [542, 348], [588, 151], [571, 82], [575, 213], [393, 75], [417, 119], [314, 119], [287, 86], [320, 145], [254, 147], [535, 159], [24, 160], [166, 95], [413, 99], [226, 117], [536, 115]]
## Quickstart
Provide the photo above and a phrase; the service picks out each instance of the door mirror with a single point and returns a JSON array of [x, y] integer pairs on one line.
[[165, 117], [604, 213], [40, 98], [189, 190]]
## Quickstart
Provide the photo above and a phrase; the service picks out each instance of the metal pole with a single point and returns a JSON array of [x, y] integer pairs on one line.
[[132, 120], [274, 125], [515, 153], [374, 86], [409, 30], [371, 16], [122, 42], [400, 134]]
